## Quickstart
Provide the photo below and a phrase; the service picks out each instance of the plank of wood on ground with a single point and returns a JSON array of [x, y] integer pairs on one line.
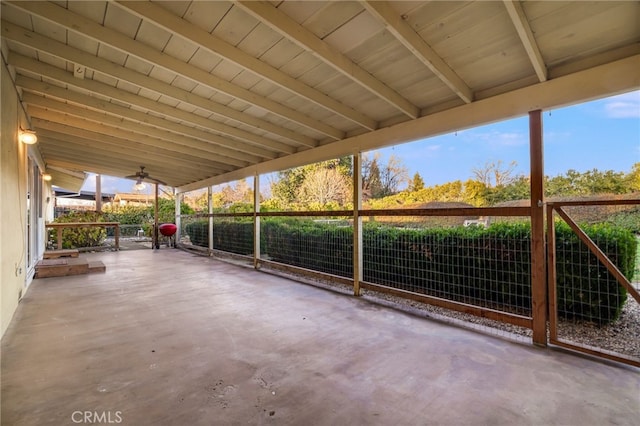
[[54, 254]]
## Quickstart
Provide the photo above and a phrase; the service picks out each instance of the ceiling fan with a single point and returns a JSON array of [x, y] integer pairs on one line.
[[142, 176]]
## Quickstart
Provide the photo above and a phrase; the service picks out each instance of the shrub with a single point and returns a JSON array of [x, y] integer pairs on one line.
[[586, 289], [489, 267], [79, 237], [232, 236]]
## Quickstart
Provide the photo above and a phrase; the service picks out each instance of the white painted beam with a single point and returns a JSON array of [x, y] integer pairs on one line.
[[144, 120], [601, 81], [271, 16], [132, 149], [86, 27], [176, 25], [24, 63], [520, 21], [420, 49], [120, 123], [36, 41], [57, 130], [79, 123]]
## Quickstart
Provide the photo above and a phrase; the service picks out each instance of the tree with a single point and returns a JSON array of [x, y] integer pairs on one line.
[[493, 174], [324, 186], [238, 193], [633, 178], [382, 180], [371, 184], [417, 183], [286, 187]]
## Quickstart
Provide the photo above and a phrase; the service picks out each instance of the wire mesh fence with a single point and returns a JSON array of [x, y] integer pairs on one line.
[[317, 243], [592, 310], [194, 231], [486, 267]]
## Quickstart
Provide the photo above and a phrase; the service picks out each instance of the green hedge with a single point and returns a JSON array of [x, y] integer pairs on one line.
[[586, 289], [79, 237], [231, 236], [490, 267]]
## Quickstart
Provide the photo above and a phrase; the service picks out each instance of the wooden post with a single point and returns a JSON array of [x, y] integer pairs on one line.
[[357, 223], [552, 274], [178, 209], [60, 238], [117, 236], [256, 221], [98, 193], [210, 218], [538, 270], [156, 240]]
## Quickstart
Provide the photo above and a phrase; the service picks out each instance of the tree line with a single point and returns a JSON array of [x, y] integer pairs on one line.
[[328, 185]]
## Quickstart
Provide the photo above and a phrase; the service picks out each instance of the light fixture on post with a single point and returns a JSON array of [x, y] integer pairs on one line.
[[46, 177], [27, 137]]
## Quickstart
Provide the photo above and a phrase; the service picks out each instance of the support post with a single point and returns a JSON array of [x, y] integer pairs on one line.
[[256, 221], [178, 209], [98, 193], [538, 259], [357, 223], [210, 217], [156, 239]]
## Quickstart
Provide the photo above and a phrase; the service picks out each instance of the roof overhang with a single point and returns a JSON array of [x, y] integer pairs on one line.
[[203, 93]]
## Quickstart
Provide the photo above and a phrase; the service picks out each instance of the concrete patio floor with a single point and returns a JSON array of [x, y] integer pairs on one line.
[[170, 338]]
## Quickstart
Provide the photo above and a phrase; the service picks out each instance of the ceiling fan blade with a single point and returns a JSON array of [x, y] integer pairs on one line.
[[154, 180], [132, 177]]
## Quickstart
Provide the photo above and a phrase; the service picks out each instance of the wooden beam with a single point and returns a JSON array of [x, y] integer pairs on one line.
[[604, 80], [50, 72], [416, 45], [176, 25], [520, 21], [44, 108], [36, 41], [125, 149], [73, 126], [108, 166], [86, 27], [538, 259], [61, 131], [271, 16], [54, 148], [145, 120]]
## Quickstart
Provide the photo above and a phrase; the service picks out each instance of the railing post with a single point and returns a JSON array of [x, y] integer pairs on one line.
[[210, 217], [117, 236], [538, 259], [178, 208], [60, 238], [357, 223], [256, 221]]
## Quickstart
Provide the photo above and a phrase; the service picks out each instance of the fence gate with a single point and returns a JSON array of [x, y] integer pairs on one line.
[[593, 306]]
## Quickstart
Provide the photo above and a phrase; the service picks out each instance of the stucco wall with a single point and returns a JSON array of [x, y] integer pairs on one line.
[[13, 188]]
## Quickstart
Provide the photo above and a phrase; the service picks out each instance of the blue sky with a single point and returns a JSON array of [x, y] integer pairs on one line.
[[602, 134]]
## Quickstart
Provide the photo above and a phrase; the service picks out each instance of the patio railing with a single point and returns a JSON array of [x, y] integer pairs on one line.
[[418, 255]]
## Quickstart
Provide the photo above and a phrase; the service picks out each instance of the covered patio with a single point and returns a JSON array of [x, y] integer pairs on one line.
[[169, 337]]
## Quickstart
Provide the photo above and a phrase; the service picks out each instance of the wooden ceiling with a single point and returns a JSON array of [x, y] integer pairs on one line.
[[203, 92]]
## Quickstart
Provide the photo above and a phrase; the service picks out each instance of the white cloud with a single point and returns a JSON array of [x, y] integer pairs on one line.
[[623, 106], [497, 139]]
